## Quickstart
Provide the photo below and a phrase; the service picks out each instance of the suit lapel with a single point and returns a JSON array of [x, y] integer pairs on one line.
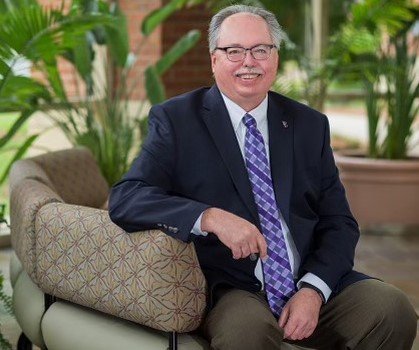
[[219, 125], [281, 154]]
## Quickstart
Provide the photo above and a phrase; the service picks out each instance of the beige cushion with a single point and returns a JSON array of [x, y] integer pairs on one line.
[[28, 308], [69, 327], [15, 268]]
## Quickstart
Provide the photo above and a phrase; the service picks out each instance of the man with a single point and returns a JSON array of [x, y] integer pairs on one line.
[[248, 175]]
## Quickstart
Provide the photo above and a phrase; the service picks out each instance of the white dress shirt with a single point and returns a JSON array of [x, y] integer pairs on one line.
[[236, 114]]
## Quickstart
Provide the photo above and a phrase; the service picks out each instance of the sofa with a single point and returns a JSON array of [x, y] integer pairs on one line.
[[81, 282]]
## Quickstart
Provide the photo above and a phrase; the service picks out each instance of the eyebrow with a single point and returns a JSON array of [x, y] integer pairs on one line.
[[233, 45], [240, 45]]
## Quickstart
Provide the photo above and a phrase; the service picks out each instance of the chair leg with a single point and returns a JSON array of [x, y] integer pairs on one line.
[[173, 341], [24, 343], [48, 301]]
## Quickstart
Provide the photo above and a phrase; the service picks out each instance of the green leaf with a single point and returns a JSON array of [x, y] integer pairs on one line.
[[19, 154], [4, 68], [20, 93], [182, 46], [55, 81], [4, 298], [156, 17], [391, 15], [38, 33], [360, 40], [117, 39], [154, 86], [15, 127], [7, 5], [81, 57], [5, 344]]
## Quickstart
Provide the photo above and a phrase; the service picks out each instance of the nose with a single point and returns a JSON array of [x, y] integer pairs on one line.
[[248, 61]]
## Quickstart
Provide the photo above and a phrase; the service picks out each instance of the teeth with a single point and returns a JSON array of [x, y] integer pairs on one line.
[[248, 76]]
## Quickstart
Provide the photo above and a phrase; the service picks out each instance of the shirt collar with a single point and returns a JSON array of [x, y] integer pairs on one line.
[[236, 112]]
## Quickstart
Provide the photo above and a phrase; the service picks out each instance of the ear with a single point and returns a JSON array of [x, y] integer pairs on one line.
[[213, 61]]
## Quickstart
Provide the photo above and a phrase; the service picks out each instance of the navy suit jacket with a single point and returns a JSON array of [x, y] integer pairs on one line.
[[191, 161]]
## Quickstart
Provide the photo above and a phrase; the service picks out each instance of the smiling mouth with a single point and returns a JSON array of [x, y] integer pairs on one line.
[[248, 76]]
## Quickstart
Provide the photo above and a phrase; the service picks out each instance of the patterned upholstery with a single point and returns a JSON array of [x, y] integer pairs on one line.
[[28, 169], [76, 176], [76, 253], [27, 197]]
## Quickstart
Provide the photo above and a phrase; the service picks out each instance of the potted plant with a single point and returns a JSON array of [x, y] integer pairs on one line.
[[38, 35], [101, 118], [382, 182]]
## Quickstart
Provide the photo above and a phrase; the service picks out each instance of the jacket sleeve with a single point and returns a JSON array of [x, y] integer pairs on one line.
[[145, 198]]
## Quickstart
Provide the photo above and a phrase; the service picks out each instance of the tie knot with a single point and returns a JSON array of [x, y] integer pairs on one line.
[[249, 121]]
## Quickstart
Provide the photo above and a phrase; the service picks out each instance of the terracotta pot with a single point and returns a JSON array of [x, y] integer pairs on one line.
[[383, 194]]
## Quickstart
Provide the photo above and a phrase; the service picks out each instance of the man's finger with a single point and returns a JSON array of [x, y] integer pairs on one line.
[[263, 247], [290, 328], [310, 330], [237, 253], [284, 317], [245, 251], [299, 333], [254, 248]]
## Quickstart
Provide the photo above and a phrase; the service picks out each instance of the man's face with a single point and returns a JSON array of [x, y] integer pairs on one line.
[[245, 82]]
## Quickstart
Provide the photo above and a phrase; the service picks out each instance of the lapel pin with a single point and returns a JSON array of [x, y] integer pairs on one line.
[[285, 123]]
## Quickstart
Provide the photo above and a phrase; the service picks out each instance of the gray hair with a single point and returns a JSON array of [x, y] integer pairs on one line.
[[275, 29]]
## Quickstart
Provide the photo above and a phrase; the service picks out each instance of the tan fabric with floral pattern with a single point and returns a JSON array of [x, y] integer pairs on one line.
[[146, 277], [76, 253]]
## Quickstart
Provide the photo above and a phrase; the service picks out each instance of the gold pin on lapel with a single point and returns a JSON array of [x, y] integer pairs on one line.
[[285, 123]]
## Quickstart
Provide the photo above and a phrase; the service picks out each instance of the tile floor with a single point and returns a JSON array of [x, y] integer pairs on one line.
[[394, 259]]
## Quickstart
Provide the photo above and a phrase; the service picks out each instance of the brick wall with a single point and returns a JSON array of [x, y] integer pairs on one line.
[[190, 72], [150, 50], [193, 70]]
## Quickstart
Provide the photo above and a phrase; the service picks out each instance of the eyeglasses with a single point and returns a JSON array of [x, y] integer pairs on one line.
[[238, 53]]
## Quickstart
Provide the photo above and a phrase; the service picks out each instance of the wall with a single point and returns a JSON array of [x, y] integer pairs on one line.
[[190, 72], [193, 70]]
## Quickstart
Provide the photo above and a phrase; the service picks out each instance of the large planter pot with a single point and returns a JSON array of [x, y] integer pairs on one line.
[[383, 194]]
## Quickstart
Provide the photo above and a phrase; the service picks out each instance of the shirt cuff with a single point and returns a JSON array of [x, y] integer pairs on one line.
[[196, 229], [316, 282]]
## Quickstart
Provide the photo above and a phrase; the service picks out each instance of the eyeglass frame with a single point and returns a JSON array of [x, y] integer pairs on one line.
[[225, 48]]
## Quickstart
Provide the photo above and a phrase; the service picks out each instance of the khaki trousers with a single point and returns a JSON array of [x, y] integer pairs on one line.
[[367, 315]]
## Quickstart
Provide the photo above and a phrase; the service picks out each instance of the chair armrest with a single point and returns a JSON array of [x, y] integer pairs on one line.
[[146, 277], [26, 198]]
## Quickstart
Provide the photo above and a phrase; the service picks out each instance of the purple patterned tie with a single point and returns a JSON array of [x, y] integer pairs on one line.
[[279, 282]]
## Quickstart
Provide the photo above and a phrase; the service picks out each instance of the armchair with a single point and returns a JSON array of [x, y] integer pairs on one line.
[[81, 282]]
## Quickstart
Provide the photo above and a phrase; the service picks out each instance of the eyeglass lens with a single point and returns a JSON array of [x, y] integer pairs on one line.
[[260, 52]]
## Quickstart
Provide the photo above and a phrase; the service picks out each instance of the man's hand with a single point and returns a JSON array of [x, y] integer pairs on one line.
[[241, 236], [300, 315]]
